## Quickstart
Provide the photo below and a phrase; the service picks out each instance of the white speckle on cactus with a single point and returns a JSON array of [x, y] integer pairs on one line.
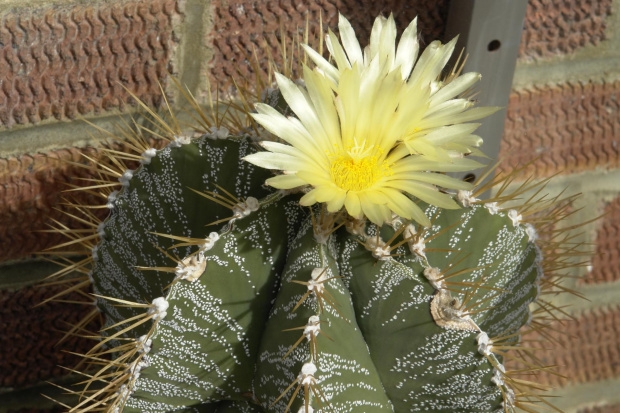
[[192, 267], [515, 217], [136, 366], [100, 230], [317, 279], [218, 133], [433, 275], [484, 343], [532, 235], [509, 400], [498, 376], [395, 221], [492, 207], [313, 327], [147, 156], [243, 209], [92, 281], [144, 344], [302, 409], [210, 241], [180, 140], [126, 177], [418, 247], [111, 199], [447, 313], [377, 247], [160, 305], [318, 274], [465, 198], [124, 392], [409, 232], [322, 233], [306, 377], [94, 253], [381, 253], [356, 227]]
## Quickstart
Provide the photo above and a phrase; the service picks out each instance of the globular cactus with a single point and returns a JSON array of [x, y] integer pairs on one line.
[[221, 294]]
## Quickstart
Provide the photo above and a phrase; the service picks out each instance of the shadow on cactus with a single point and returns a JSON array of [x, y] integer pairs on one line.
[[351, 282]]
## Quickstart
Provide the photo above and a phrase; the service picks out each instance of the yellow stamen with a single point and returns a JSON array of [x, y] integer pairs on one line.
[[357, 174]]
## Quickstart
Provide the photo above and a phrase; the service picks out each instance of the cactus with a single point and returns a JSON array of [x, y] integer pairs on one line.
[[223, 295]]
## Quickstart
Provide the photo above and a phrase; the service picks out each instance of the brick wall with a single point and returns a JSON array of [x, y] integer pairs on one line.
[[564, 111], [62, 60]]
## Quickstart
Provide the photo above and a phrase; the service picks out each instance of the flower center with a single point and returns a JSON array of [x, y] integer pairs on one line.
[[353, 174]]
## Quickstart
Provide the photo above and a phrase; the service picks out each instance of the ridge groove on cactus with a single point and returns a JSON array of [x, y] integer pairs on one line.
[[359, 279]]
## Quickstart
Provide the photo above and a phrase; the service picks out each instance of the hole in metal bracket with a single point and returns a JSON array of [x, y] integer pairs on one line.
[[469, 178], [494, 45]]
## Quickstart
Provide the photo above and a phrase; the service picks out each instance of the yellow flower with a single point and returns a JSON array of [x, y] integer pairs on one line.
[[375, 129]]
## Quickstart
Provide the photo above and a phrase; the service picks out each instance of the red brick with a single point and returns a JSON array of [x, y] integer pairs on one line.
[[555, 27], [602, 409], [573, 127], [606, 260], [31, 192], [249, 24], [587, 349], [30, 334], [65, 61]]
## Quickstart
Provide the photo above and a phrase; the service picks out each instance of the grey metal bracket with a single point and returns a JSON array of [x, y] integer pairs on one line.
[[490, 33]]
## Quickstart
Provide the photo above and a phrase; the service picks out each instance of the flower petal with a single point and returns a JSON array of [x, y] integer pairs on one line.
[[336, 202], [337, 52], [377, 214], [426, 193], [301, 104], [405, 207], [456, 87], [269, 160], [323, 100], [285, 181], [276, 147], [330, 71], [352, 204], [349, 40], [408, 49], [442, 180]]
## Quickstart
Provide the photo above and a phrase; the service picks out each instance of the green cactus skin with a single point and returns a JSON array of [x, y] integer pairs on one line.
[[281, 310]]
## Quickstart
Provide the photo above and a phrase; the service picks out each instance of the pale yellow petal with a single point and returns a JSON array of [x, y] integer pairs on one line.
[[270, 160], [455, 88], [308, 199], [447, 134], [349, 40], [337, 52], [352, 203], [408, 48], [419, 163], [287, 129], [432, 62], [337, 201], [375, 37], [405, 207], [442, 180], [330, 71], [285, 181], [446, 118], [323, 99], [276, 147], [376, 213], [387, 42], [301, 104], [426, 193]]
